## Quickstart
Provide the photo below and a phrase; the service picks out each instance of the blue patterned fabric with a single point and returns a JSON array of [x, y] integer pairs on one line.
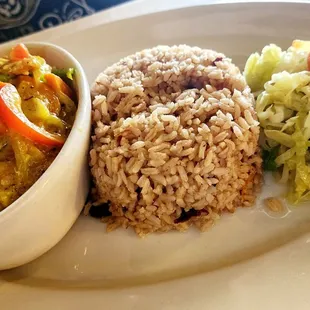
[[22, 17]]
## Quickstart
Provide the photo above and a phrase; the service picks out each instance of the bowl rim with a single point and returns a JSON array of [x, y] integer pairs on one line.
[[82, 114]]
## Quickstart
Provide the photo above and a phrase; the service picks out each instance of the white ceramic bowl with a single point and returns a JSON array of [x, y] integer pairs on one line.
[[39, 219]]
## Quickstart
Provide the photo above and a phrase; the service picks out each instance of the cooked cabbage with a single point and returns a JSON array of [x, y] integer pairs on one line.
[[283, 109], [260, 68], [282, 79]]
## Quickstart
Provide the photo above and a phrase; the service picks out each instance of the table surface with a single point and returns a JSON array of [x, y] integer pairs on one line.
[[127, 10]]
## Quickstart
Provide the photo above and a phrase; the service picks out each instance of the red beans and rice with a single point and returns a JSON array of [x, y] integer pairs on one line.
[[175, 139]]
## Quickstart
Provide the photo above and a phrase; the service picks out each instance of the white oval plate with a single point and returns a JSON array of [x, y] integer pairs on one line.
[[249, 260]]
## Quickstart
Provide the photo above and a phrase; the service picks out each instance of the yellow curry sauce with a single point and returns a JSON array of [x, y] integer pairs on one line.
[[37, 111]]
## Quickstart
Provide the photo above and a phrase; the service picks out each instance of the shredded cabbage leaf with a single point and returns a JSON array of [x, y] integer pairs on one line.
[[259, 68], [282, 79], [283, 109]]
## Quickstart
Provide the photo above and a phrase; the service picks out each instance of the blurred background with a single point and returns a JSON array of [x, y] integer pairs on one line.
[[22, 17]]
